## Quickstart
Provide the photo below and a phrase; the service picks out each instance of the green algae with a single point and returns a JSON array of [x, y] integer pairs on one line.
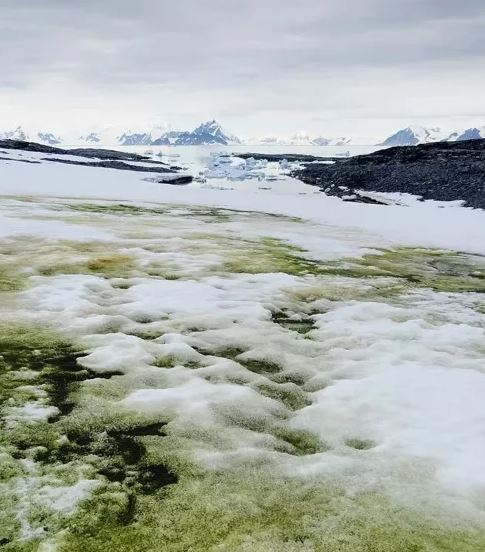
[[444, 271], [410, 268], [109, 266], [204, 214], [270, 255], [302, 442], [171, 361], [33, 352], [261, 367], [289, 376], [226, 510], [360, 444], [257, 511], [43, 360], [9, 280], [210, 215], [257, 366], [111, 449], [230, 353], [63, 440], [288, 394], [114, 209], [301, 324]]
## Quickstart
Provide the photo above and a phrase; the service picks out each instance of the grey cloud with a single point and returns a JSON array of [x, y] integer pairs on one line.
[[249, 47]]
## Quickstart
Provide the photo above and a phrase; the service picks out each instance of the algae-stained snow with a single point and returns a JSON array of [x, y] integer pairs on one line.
[[182, 378]]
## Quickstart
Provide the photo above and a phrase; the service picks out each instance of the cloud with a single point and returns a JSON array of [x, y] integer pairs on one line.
[[318, 59]]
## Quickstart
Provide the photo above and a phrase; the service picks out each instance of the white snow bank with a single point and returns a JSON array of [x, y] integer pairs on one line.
[[423, 224]]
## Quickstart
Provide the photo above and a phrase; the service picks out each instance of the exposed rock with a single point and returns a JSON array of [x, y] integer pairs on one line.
[[176, 179], [3, 158], [79, 152], [444, 171], [109, 159], [277, 157], [112, 164]]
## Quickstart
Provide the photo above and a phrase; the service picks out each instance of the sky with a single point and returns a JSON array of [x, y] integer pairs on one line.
[[260, 67]]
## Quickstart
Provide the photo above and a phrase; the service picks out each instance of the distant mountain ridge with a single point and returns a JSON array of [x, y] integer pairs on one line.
[[212, 133], [20, 134], [209, 133], [298, 139], [414, 135]]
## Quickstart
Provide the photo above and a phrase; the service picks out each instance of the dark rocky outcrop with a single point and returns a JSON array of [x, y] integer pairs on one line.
[[179, 180], [113, 164], [291, 157], [444, 171], [109, 159], [79, 152]]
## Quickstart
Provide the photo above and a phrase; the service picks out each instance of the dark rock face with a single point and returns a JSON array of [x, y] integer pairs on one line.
[[292, 157], [80, 152], [113, 164], [444, 171], [470, 134], [108, 159], [176, 180]]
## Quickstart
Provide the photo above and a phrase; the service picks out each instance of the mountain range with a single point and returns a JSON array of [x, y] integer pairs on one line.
[[208, 133], [212, 133], [414, 135]]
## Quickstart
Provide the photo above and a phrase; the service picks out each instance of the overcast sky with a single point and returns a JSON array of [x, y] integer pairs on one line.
[[330, 67]]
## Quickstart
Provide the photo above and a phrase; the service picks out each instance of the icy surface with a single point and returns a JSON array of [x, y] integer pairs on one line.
[[237, 327], [427, 224]]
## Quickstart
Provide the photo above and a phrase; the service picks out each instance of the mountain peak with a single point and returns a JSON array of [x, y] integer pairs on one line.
[[208, 133], [413, 135], [17, 134]]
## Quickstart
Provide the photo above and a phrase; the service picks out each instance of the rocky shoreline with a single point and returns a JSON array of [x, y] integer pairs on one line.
[[95, 157], [90, 153], [443, 171], [290, 157]]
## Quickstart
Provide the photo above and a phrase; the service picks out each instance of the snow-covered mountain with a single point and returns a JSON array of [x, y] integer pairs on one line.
[[298, 139], [20, 133], [322, 141], [212, 133], [95, 136], [414, 135], [17, 134], [91, 138], [143, 137], [206, 134], [49, 138], [167, 138], [474, 133]]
